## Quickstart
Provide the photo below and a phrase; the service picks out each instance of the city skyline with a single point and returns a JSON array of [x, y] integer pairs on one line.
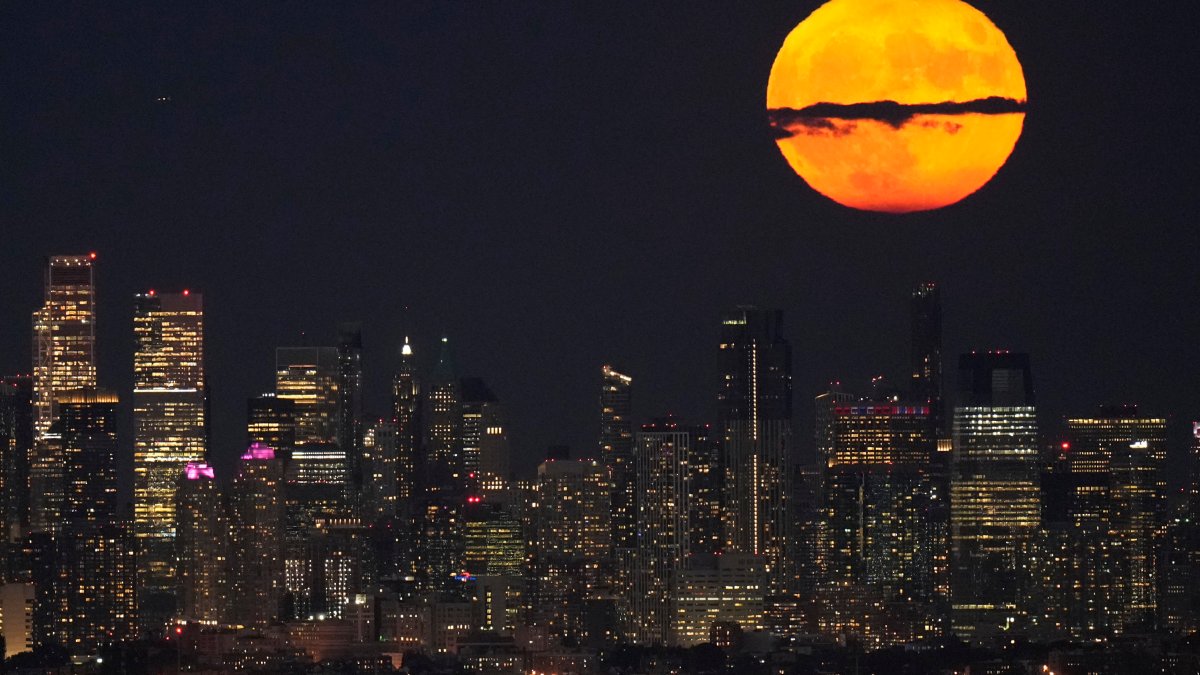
[[521, 338], [368, 198]]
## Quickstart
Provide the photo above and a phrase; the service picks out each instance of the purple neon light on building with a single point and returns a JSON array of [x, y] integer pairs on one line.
[[259, 451], [198, 470]]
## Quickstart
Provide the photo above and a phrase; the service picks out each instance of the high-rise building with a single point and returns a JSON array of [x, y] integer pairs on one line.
[[877, 548], [170, 430], [271, 421], [570, 536], [994, 493], [349, 433], [616, 454], [96, 561], [926, 309], [1179, 563], [309, 377], [202, 547], [616, 451], [484, 436], [16, 446], [408, 404], [446, 463], [64, 359], [256, 519], [64, 335], [1117, 458], [755, 419], [663, 458]]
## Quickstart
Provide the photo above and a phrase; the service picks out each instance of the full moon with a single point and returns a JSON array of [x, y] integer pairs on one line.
[[896, 105]]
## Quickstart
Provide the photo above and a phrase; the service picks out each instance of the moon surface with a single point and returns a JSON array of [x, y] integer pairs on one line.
[[896, 105]]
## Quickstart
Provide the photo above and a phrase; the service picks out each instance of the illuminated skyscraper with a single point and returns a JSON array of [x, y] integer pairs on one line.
[[616, 451], [95, 590], [446, 462], [64, 359], [407, 404], [170, 430], [876, 550], [571, 530], [1118, 458], [755, 419], [663, 458], [309, 377], [256, 515], [64, 335], [201, 544], [995, 499], [16, 446]]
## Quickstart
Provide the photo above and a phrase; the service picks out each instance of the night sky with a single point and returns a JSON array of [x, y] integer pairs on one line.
[[556, 185]]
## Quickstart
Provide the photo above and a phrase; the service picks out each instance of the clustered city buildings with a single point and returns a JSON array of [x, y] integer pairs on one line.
[[927, 513]]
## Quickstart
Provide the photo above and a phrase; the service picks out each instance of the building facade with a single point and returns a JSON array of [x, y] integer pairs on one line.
[[170, 406]]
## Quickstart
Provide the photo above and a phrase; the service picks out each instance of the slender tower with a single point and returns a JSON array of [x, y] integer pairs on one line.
[[754, 407], [350, 404], [202, 536], [407, 406], [170, 430], [926, 308], [64, 359], [256, 500]]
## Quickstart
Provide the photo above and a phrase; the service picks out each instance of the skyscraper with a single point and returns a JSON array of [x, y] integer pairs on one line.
[[1118, 457], [95, 590], [664, 477], [755, 419], [877, 547], [571, 536], [616, 454], [64, 359], [310, 377], [256, 515], [350, 403], [64, 335], [407, 405], [994, 493], [201, 544], [926, 308], [446, 462], [170, 430]]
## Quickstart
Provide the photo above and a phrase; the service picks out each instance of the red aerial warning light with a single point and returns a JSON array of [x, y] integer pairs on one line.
[[186, 292], [92, 255], [151, 293], [1066, 445]]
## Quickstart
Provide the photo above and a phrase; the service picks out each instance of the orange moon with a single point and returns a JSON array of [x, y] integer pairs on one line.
[[896, 105]]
